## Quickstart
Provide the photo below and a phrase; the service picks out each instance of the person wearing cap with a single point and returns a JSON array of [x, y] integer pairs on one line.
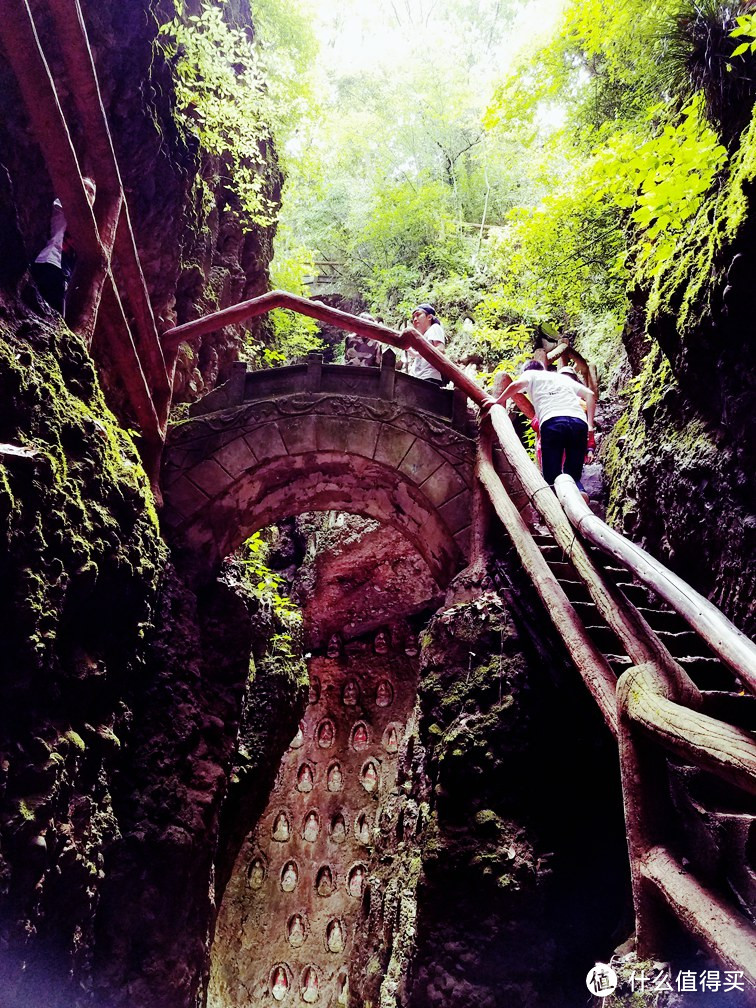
[[565, 427], [425, 324]]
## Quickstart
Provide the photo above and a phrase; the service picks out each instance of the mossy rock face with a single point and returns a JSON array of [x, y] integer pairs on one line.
[[683, 490], [81, 550], [682, 462]]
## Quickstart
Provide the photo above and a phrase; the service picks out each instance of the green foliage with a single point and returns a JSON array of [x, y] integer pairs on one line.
[[236, 93], [222, 98], [265, 584], [745, 28]]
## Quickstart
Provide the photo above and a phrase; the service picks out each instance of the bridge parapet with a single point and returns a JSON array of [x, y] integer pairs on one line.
[[314, 376]]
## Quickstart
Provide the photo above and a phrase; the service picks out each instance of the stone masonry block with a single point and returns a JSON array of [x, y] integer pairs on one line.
[[444, 484], [457, 513], [185, 499], [393, 444], [299, 433], [210, 477], [420, 462], [348, 434], [462, 539], [235, 457], [267, 443]]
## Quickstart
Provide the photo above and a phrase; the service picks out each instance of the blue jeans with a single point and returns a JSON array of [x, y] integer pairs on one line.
[[563, 444]]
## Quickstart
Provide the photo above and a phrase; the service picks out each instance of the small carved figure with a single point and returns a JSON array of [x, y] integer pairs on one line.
[[314, 694], [304, 779], [335, 778], [310, 991], [296, 931], [369, 776], [280, 983], [289, 877], [334, 646], [381, 643], [281, 831], [363, 830], [356, 881], [335, 936], [324, 883], [359, 737], [390, 740], [256, 874], [410, 647], [326, 734], [351, 693], [338, 828], [298, 741], [311, 827], [342, 990], [384, 694]]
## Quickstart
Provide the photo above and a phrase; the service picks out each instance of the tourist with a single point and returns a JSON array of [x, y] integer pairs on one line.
[[564, 428], [361, 351], [426, 325], [51, 270]]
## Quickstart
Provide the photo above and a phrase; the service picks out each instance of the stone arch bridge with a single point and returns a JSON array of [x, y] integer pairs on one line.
[[313, 437]]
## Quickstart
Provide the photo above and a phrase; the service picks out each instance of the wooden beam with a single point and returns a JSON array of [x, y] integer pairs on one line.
[[638, 639], [111, 209], [18, 37], [591, 664], [722, 636], [721, 749], [725, 934]]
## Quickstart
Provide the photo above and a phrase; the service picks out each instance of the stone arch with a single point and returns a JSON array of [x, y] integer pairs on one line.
[[231, 473]]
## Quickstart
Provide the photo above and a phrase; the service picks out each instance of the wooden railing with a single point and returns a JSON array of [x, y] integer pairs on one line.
[[654, 707], [108, 300]]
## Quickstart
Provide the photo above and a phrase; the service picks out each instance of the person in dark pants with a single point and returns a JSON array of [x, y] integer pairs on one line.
[[565, 425], [51, 270]]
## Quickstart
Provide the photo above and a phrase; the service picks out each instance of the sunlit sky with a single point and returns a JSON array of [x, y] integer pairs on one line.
[[362, 35]]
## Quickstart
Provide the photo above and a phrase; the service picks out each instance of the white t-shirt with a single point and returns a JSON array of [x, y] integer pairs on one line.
[[553, 395], [420, 367], [52, 252]]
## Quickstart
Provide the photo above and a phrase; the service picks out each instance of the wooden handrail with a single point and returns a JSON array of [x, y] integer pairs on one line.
[[638, 639], [720, 748], [334, 316], [593, 667], [703, 913], [722, 636]]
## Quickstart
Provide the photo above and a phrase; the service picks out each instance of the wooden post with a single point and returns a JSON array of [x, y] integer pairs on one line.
[[644, 774]]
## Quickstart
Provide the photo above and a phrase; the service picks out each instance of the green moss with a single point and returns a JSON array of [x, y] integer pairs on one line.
[[79, 522]]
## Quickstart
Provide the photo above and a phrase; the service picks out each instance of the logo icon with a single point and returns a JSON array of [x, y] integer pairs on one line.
[[601, 980]]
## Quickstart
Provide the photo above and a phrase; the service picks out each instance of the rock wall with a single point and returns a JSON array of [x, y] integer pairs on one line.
[[682, 460], [124, 691], [503, 877]]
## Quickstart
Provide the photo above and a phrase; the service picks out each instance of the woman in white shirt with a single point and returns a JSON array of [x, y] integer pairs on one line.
[[563, 424]]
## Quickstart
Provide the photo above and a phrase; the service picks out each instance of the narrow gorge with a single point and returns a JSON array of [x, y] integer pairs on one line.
[[313, 690]]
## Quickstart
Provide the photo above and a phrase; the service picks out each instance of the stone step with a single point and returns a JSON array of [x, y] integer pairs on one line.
[[662, 619], [708, 673], [684, 644], [637, 594], [737, 709]]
